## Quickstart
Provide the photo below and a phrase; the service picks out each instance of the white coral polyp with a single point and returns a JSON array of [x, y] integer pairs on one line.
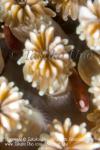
[[26, 12], [95, 90], [68, 8], [67, 136], [16, 114], [95, 118], [47, 62], [89, 28]]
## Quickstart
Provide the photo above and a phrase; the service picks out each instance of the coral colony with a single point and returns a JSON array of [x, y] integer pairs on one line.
[[44, 54]]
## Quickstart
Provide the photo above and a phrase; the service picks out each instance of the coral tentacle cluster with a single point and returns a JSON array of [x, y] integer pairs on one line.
[[68, 136], [89, 27], [95, 118], [16, 113], [68, 8], [15, 12], [95, 90], [95, 115], [47, 62]]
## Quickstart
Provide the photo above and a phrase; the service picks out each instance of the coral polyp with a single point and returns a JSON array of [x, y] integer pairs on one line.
[[48, 64]]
